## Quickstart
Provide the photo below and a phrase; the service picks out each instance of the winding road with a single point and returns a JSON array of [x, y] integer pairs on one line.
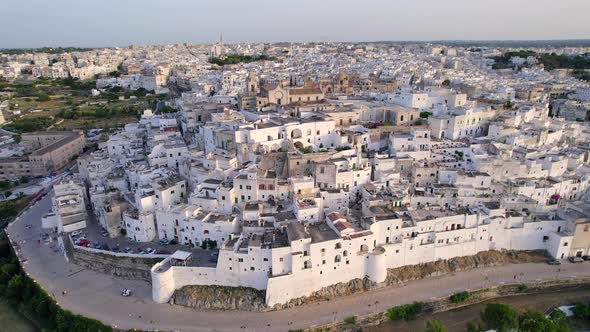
[[98, 296]]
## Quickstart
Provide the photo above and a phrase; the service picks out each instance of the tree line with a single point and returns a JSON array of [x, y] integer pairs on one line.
[[25, 295]]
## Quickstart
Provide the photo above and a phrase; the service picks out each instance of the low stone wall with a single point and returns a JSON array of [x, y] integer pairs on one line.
[[121, 265]]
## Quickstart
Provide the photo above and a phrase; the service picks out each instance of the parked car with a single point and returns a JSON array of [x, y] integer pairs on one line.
[[164, 242], [150, 251], [83, 243], [173, 242], [128, 250], [553, 262], [104, 233], [586, 257], [576, 259], [76, 233], [163, 252]]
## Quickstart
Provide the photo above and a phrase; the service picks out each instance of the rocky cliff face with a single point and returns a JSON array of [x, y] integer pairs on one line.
[[337, 290], [220, 298], [483, 259]]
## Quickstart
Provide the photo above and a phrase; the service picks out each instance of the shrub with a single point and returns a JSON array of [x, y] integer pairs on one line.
[[406, 311], [523, 288], [435, 326], [459, 297], [43, 97], [350, 320]]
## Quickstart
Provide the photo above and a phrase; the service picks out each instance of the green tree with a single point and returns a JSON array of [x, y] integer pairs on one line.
[[473, 326], [582, 311], [14, 288], [534, 321], [43, 97], [435, 326], [167, 109], [499, 316]]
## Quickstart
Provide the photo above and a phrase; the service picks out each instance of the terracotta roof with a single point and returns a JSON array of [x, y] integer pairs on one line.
[[342, 225], [335, 216], [305, 91]]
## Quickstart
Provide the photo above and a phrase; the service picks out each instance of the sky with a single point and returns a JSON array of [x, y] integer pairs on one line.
[[97, 23]]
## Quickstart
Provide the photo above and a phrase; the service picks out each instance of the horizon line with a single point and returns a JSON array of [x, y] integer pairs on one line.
[[417, 41]]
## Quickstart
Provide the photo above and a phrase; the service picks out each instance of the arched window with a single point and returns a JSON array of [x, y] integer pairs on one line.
[[337, 259], [307, 265], [345, 253], [262, 186], [338, 245], [364, 247]]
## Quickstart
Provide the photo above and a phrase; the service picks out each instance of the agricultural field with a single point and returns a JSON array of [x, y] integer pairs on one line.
[[69, 104]]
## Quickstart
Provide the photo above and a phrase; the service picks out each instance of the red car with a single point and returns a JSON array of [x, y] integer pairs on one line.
[[83, 243]]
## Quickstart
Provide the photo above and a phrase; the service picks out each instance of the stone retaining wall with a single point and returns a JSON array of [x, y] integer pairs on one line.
[[121, 265]]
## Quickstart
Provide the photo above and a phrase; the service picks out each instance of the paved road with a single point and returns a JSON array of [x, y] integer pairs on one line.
[[97, 295]]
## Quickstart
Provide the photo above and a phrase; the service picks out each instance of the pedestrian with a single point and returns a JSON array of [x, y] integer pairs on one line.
[[515, 276]]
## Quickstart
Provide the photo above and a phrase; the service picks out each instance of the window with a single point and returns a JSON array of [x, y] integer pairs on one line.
[[338, 245], [240, 260], [265, 259]]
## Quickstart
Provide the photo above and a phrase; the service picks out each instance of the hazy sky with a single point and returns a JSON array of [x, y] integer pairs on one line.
[[35, 23]]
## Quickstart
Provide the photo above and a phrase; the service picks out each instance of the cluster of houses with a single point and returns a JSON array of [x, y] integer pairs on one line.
[[305, 182]]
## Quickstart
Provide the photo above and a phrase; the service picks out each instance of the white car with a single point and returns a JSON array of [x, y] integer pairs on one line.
[[126, 292], [150, 251], [76, 233]]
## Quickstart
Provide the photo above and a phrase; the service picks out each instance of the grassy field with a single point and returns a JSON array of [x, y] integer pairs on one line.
[[11, 320]]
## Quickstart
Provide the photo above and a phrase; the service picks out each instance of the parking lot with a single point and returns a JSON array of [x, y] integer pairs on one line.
[[96, 238]]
